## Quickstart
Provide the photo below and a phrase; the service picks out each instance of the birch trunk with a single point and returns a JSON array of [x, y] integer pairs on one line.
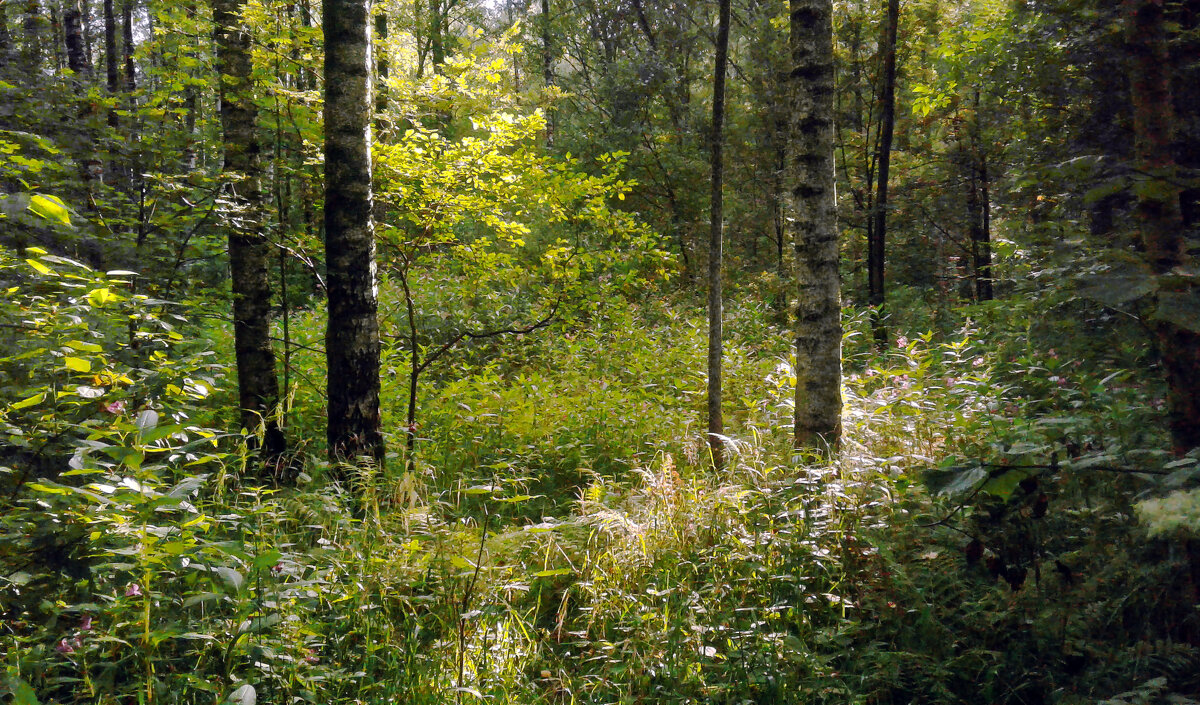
[[818, 422], [352, 336]]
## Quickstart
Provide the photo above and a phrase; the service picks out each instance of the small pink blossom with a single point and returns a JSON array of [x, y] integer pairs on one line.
[[950, 382], [85, 624], [116, 407], [134, 590], [902, 342], [977, 362], [68, 646]]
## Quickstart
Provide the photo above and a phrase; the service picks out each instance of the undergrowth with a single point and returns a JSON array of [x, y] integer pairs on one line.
[[558, 536]]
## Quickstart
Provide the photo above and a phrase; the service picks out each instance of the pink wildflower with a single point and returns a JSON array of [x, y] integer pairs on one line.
[[68, 646], [902, 342], [134, 590], [116, 407], [85, 625], [977, 362]]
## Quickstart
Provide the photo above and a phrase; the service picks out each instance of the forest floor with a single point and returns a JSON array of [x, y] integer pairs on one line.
[[561, 538]]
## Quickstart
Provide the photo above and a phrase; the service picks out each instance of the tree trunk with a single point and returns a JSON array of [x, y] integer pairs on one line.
[[878, 233], [1159, 217], [547, 67], [352, 337], [716, 422], [981, 236], [6, 43], [258, 388], [111, 70], [127, 32], [818, 422], [77, 57], [31, 50], [381, 66]]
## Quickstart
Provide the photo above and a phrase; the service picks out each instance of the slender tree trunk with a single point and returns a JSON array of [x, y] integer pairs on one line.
[[352, 336], [258, 387], [59, 35], [716, 422], [1160, 219], [547, 67], [381, 66], [127, 32], [31, 49], [876, 250], [111, 69], [437, 48], [818, 423], [981, 237], [6, 43]]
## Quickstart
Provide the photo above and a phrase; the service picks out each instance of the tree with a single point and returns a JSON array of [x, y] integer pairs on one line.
[[818, 422], [716, 424], [352, 335], [876, 250], [258, 388], [1160, 220]]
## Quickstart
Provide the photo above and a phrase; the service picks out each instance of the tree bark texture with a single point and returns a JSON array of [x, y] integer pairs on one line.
[[352, 336], [1160, 219], [818, 422], [876, 249], [258, 388], [716, 236]]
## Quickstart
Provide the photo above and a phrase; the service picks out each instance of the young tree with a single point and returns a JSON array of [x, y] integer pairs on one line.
[[258, 388], [716, 423], [352, 336], [818, 423]]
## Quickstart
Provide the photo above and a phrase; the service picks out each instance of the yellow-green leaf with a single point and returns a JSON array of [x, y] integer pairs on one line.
[[26, 403], [50, 208], [41, 268], [78, 364]]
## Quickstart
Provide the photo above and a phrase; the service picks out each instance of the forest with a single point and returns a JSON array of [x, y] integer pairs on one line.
[[600, 352]]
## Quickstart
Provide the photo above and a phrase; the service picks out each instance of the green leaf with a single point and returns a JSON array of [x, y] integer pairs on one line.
[[50, 208], [77, 364], [1180, 309], [552, 573], [22, 692], [41, 268], [955, 480], [31, 401], [1116, 289]]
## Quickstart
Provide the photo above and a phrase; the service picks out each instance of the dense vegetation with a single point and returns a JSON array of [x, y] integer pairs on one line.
[[1001, 504]]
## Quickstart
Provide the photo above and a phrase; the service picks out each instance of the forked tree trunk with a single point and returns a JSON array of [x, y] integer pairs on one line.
[[818, 422], [352, 335], [716, 422], [258, 388], [1159, 215]]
